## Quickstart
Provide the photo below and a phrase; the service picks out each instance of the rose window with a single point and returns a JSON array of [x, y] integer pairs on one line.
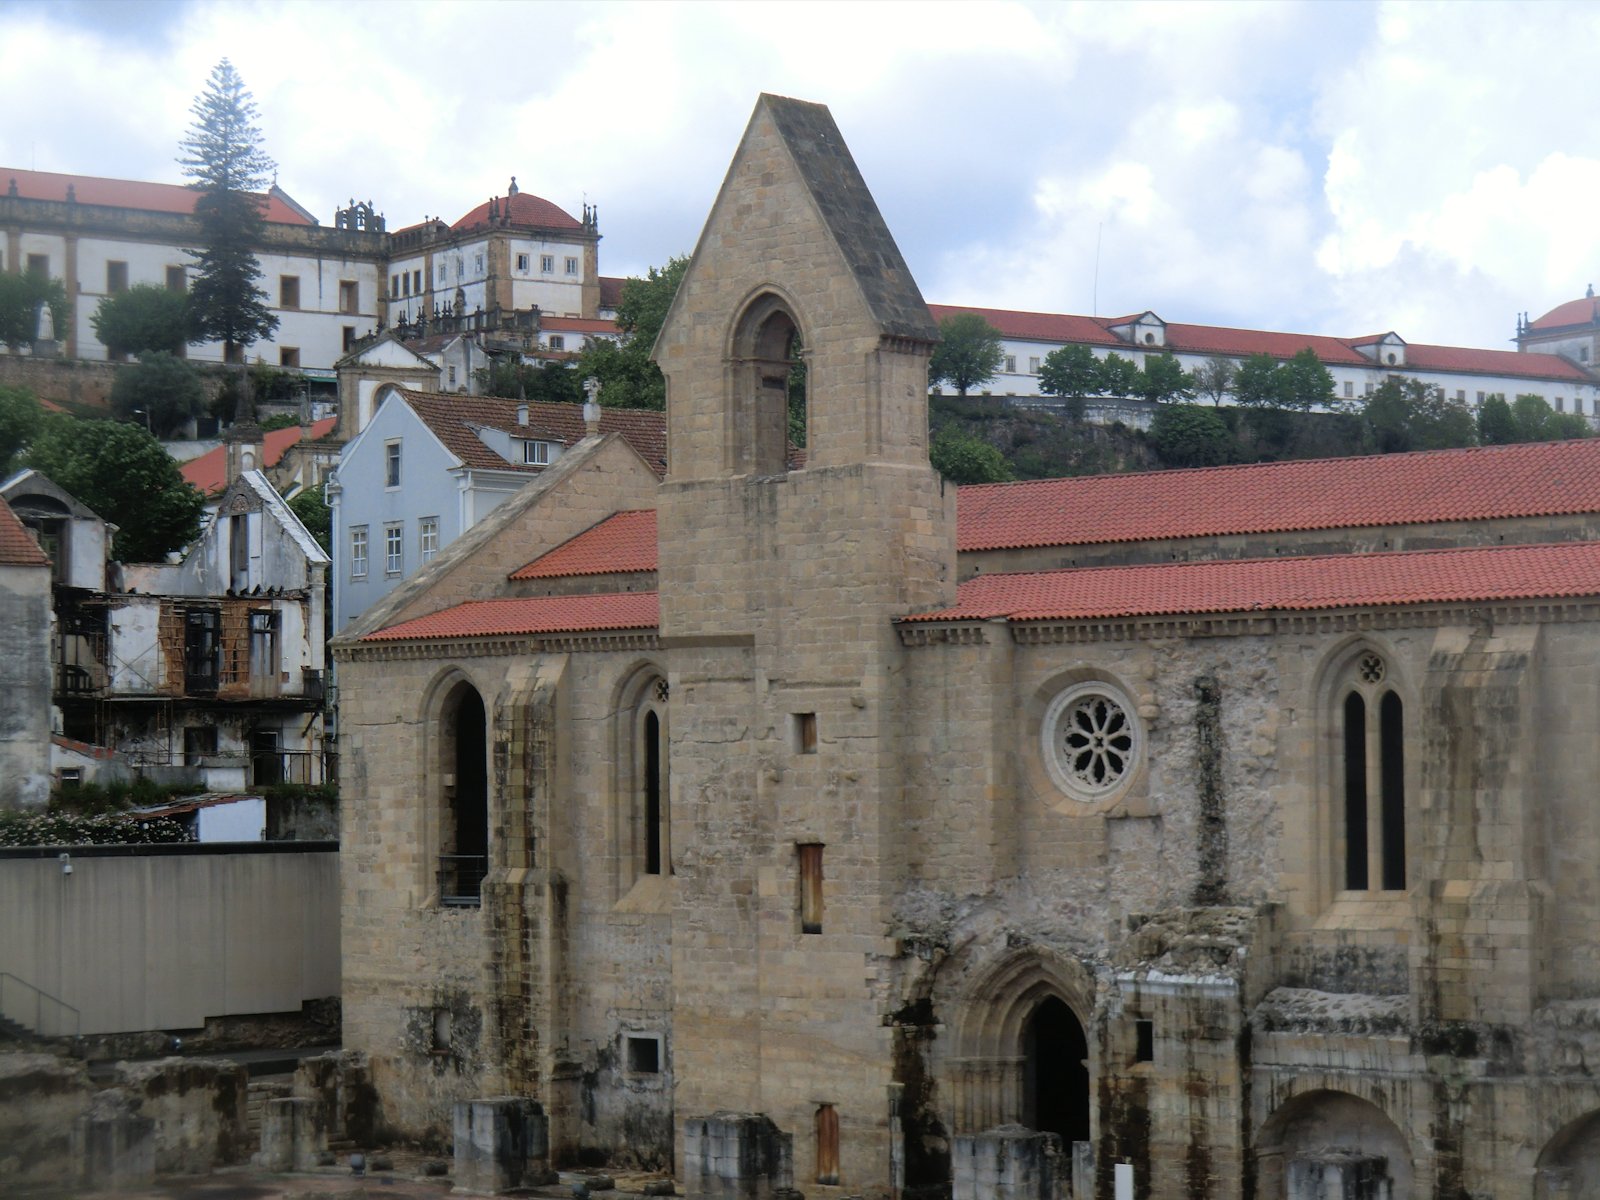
[[1092, 741]]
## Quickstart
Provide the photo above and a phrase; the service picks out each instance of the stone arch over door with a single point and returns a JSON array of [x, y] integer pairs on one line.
[[1569, 1165], [1021, 1025], [762, 353], [1322, 1141]]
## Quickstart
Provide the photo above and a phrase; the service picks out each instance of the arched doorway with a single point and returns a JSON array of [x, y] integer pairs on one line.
[[1323, 1140], [464, 833], [1055, 1054], [1569, 1165]]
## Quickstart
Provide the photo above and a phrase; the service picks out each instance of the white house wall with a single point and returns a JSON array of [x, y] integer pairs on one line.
[[137, 664]]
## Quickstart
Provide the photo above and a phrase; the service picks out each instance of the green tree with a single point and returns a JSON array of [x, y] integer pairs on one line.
[[1118, 376], [1305, 383], [145, 317], [1187, 435], [20, 297], [962, 458], [1259, 382], [161, 392], [968, 353], [223, 159], [1214, 378], [628, 378], [123, 473], [315, 515], [514, 379], [1538, 422], [1496, 425], [1164, 379], [1408, 414], [20, 416], [1073, 373]]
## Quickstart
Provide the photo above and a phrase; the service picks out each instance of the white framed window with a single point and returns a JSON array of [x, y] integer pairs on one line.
[[444, 272], [358, 552], [477, 264], [522, 263], [572, 266], [547, 263], [428, 537], [394, 548], [557, 342], [1480, 397], [537, 453], [1010, 367], [1033, 366], [452, 382], [1349, 389], [461, 268], [391, 464]]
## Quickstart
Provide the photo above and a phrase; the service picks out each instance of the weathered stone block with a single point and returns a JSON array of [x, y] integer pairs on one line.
[[1008, 1163], [501, 1143], [294, 1134]]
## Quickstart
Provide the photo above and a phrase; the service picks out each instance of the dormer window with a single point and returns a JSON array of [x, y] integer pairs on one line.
[[536, 453]]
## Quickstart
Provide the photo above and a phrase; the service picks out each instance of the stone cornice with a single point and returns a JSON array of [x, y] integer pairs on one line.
[[593, 642], [1041, 633]]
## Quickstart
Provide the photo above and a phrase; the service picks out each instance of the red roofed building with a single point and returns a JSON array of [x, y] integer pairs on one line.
[[1237, 817]]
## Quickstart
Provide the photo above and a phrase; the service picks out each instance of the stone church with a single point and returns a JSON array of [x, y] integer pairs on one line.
[[820, 825]]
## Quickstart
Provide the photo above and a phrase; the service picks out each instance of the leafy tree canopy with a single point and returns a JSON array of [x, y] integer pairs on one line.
[[143, 318], [1118, 376], [628, 378], [315, 515], [1496, 425], [1407, 414], [123, 473], [962, 458], [1163, 379], [1259, 383], [517, 380], [1071, 371], [161, 392], [1214, 378], [1538, 422], [1186, 435], [20, 416], [223, 159], [1306, 384], [968, 354], [20, 297]]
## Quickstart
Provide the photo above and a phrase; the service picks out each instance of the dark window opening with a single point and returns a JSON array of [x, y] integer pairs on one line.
[[464, 856], [288, 291], [239, 552], [652, 794], [1355, 792], [202, 650], [1392, 779], [199, 744], [349, 297], [827, 1126], [266, 760], [1056, 1073], [264, 644], [805, 733], [176, 281], [116, 277], [810, 887], [1144, 1041], [39, 266], [441, 1031], [644, 1055]]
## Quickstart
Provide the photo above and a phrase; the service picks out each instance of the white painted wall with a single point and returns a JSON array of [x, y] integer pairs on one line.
[[242, 820]]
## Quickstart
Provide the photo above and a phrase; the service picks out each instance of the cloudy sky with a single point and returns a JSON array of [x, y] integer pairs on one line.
[[1328, 167]]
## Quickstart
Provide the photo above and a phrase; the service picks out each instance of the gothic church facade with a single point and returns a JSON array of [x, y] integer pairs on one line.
[[1234, 827]]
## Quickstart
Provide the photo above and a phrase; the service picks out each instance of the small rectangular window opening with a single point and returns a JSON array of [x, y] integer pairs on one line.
[[644, 1054], [810, 887], [827, 1144], [1144, 1041], [805, 733], [441, 1031]]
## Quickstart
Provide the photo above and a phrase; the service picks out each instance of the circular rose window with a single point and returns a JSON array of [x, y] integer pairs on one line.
[[1092, 741]]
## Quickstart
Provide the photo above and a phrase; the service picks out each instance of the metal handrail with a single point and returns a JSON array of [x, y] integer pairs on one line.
[[461, 879], [39, 998]]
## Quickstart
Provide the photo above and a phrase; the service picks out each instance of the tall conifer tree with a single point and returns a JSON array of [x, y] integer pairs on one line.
[[223, 159]]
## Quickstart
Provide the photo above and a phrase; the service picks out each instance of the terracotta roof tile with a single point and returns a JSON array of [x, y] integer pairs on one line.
[[624, 541], [579, 325], [1538, 479], [526, 209], [1495, 362], [209, 471], [125, 193], [17, 547], [611, 290], [1241, 343], [529, 615], [454, 419], [1283, 584], [1035, 327], [1583, 311]]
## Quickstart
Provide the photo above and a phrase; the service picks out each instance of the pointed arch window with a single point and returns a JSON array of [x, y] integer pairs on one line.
[[1372, 817], [653, 846]]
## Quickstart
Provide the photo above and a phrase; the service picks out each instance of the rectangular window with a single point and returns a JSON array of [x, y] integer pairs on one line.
[[1010, 367], [391, 464], [71, 778], [461, 268], [394, 285], [572, 266], [452, 381], [1144, 1041], [1033, 365], [547, 263], [804, 740], [288, 356], [537, 453], [428, 539], [1480, 397], [444, 272], [176, 280], [288, 291], [557, 342], [1349, 389], [349, 337], [202, 649], [810, 855], [643, 1054], [416, 282], [39, 266], [522, 263], [264, 643], [394, 549], [116, 278], [358, 552], [199, 743], [477, 264], [1561, 405], [1369, 390], [1461, 395], [349, 297], [827, 1128]]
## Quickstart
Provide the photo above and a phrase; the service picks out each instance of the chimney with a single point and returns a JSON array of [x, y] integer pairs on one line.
[[522, 414], [591, 406]]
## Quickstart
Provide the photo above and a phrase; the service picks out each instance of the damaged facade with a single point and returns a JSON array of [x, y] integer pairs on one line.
[[829, 826]]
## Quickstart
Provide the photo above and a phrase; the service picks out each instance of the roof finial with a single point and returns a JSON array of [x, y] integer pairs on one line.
[[512, 190], [1589, 295]]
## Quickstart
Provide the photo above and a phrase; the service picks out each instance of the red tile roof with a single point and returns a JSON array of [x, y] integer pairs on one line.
[[529, 615], [1241, 343], [525, 209], [454, 419], [209, 471], [17, 547], [1495, 362], [1283, 584], [579, 325], [1583, 311], [125, 193], [624, 541], [1538, 479], [1035, 327], [611, 290]]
